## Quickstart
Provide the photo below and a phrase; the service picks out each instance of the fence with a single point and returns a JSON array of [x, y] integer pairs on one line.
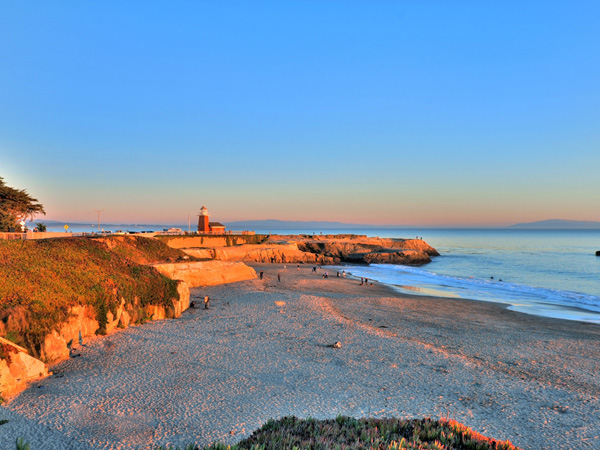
[[37, 235], [60, 234]]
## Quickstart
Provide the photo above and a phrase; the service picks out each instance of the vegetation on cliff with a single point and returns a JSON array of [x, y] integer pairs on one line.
[[365, 434], [43, 279]]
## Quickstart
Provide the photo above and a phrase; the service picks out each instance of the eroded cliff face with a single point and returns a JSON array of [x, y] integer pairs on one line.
[[207, 273], [18, 368], [262, 253], [372, 250], [324, 250]]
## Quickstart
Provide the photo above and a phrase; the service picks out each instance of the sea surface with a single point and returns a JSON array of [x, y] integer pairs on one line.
[[552, 273]]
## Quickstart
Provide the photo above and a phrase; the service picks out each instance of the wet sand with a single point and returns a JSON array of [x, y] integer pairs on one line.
[[263, 350]]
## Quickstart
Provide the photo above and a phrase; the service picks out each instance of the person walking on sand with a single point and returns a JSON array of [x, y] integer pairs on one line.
[[206, 301], [261, 274], [279, 277]]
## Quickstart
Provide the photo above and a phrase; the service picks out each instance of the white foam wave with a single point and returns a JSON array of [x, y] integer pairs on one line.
[[530, 299]]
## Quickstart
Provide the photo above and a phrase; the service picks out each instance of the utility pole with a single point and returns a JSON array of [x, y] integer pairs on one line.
[[98, 211]]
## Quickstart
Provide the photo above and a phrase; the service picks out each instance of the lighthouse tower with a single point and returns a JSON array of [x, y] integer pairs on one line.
[[203, 224]]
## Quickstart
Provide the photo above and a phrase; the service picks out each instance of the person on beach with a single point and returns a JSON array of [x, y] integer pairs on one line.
[[362, 281], [261, 274], [298, 266], [343, 274], [206, 301], [279, 277]]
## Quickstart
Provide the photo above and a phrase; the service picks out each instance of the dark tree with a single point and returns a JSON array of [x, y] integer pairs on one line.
[[16, 205]]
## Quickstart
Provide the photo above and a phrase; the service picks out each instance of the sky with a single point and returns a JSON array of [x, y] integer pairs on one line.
[[419, 113]]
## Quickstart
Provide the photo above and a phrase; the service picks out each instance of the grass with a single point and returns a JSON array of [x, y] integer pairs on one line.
[[43, 279], [342, 433]]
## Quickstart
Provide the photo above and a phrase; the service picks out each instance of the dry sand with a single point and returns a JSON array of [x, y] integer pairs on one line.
[[263, 350]]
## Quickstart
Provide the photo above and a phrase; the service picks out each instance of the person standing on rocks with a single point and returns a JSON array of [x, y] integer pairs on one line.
[[206, 301]]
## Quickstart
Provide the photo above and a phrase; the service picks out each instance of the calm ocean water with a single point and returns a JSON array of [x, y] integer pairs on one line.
[[552, 273]]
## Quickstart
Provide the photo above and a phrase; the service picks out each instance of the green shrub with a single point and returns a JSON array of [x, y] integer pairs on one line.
[[344, 432]]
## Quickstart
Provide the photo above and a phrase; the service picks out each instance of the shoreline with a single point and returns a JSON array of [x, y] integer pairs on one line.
[[536, 307], [263, 350]]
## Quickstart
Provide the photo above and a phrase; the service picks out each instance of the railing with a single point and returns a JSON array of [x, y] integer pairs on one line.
[[221, 233], [61, 234], [40, 235], [12, 236]]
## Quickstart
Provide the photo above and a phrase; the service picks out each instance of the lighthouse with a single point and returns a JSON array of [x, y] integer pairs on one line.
[[206, 227], [203, 223]]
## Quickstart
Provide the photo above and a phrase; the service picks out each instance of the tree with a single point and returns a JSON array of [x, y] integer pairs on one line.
[[16, 205]]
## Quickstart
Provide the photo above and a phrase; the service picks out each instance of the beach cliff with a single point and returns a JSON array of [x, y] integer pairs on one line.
[[58, 293]]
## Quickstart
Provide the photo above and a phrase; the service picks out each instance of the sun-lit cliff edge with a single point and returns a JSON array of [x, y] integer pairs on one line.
[[321, 249], [57, 292]]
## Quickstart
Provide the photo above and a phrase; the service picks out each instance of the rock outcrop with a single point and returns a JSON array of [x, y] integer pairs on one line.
[[207, 273], [17, 369], [322, 250], [262, 253], [372, 250]]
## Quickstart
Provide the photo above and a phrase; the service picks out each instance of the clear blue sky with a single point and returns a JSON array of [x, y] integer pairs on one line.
[[385, 112]]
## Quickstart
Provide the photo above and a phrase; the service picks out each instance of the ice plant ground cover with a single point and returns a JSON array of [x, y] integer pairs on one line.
[[368, 434]]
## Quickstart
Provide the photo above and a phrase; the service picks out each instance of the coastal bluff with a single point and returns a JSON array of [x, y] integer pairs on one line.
[[321, 249], [58, 293]]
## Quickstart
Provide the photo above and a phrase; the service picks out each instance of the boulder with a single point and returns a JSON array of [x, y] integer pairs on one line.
[[17, 370]]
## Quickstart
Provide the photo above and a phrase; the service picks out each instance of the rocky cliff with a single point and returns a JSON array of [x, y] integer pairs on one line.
[[264, 253], [324, 250], [207, 273], [371, 250], [18, 368]]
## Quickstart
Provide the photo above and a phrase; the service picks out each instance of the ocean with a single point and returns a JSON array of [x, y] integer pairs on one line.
[[551, 273]]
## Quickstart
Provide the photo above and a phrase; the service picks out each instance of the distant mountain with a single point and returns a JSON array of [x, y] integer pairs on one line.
[[295, 224], [557, 224]]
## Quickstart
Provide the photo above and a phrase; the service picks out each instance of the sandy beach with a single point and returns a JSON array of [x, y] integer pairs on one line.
[[264, 350]]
